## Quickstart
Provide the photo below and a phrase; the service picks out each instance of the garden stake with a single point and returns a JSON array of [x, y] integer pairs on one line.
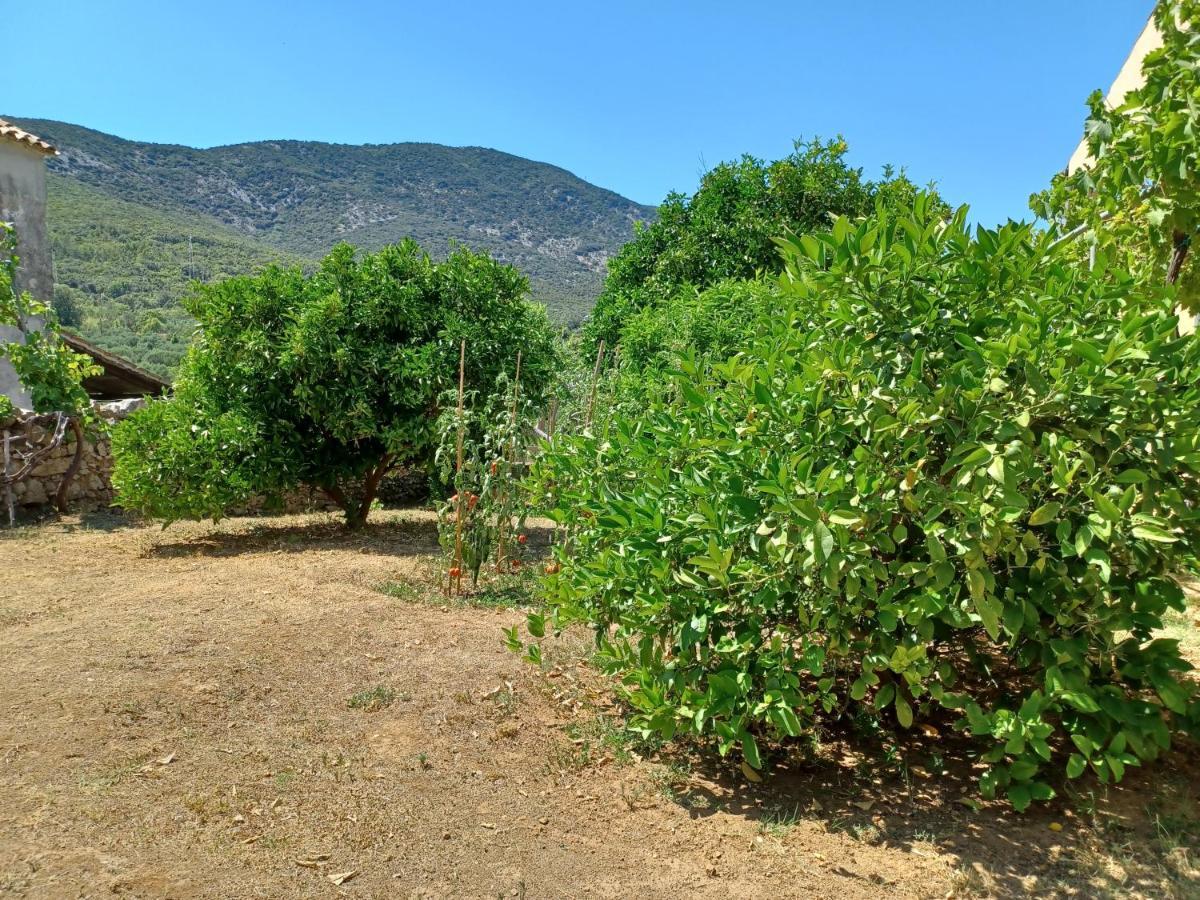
[[595, 378], [458, 514], [512, 427], [8, 488]]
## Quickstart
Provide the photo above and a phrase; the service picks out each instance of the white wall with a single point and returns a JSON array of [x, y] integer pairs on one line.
[[23, 203]]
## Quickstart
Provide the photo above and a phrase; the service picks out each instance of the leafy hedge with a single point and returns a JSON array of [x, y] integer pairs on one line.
[[948, 483]]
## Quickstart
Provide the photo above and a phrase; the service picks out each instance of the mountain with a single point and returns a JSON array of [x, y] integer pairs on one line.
[[130, 223]]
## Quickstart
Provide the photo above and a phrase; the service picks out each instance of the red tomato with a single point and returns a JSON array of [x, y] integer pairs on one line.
[[522, 538]]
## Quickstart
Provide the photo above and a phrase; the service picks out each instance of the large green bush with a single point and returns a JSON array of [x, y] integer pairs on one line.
[[330, 380], [949, 483], [710, 324]]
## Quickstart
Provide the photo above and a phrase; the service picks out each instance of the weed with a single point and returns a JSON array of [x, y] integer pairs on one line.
[[779, 820], [503, 591], [671, 780], [376, 698], [505, 701], [401, 590], [603, 736]]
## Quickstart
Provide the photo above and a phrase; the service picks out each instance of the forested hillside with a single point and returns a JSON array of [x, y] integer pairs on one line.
[[122, 213], [121, 267]]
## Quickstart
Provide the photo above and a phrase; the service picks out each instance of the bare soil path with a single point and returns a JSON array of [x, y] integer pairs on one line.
[[176, 721]]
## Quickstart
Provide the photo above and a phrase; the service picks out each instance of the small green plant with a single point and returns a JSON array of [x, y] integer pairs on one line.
[[51, 371], [486, 515], [401, 590], [379, 697], [779, 820]]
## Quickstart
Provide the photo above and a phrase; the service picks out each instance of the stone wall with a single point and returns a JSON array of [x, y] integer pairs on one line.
[[91, 486]]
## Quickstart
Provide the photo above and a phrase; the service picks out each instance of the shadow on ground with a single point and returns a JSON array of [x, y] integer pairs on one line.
[[410, 532], [1092, 841]]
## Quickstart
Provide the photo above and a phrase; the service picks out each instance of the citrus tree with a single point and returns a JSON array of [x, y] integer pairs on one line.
[[725, 230], [946, 485], [1139, 194], [330, 380]]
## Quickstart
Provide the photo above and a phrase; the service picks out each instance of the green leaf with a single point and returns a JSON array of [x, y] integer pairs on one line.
[[1020, 796], [1087, 351], [1075, 765], [750, 751], [904, 713], [1107, 508], [1154, 533], [823, 540], [1045, 513], [790, 721]]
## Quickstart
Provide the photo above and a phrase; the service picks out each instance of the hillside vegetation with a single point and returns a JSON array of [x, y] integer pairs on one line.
[[122, 212], [121, 269]]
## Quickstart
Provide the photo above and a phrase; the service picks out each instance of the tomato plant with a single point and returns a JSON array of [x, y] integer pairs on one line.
[[488, 494]]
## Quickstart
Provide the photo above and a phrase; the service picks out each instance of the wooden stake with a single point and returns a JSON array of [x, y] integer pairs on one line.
[[8, 488], [595, 379], [502, 527], [458, 525]]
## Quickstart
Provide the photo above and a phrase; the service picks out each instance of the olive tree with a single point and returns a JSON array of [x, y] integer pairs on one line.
[[329, 380]]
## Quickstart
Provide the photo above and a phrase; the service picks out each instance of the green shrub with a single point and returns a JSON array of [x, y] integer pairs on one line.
[[949, 483], [330, 380], [712, 323], [725, 229]]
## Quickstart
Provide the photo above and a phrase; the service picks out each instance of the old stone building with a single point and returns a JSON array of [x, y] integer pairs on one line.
[[23, 205]]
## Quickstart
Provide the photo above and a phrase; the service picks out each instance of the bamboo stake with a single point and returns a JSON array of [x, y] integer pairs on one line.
[[595, 379], [458, 525], [512, 427]]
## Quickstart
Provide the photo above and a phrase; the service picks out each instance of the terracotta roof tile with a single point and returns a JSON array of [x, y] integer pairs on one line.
[[12, 132]]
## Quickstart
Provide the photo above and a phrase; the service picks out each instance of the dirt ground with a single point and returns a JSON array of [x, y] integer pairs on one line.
[[268, 707]]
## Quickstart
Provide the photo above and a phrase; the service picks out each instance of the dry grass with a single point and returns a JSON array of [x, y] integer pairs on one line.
[[248, 709]]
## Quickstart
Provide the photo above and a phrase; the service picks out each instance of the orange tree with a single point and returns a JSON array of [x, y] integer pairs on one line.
[[1138, 197], [947, 483], [331, 379]]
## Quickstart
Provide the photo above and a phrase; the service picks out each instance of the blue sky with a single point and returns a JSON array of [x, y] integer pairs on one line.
[[985, 97]]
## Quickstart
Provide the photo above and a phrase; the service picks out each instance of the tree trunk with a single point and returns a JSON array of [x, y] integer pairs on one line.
[[356, 509], [60, 498]]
